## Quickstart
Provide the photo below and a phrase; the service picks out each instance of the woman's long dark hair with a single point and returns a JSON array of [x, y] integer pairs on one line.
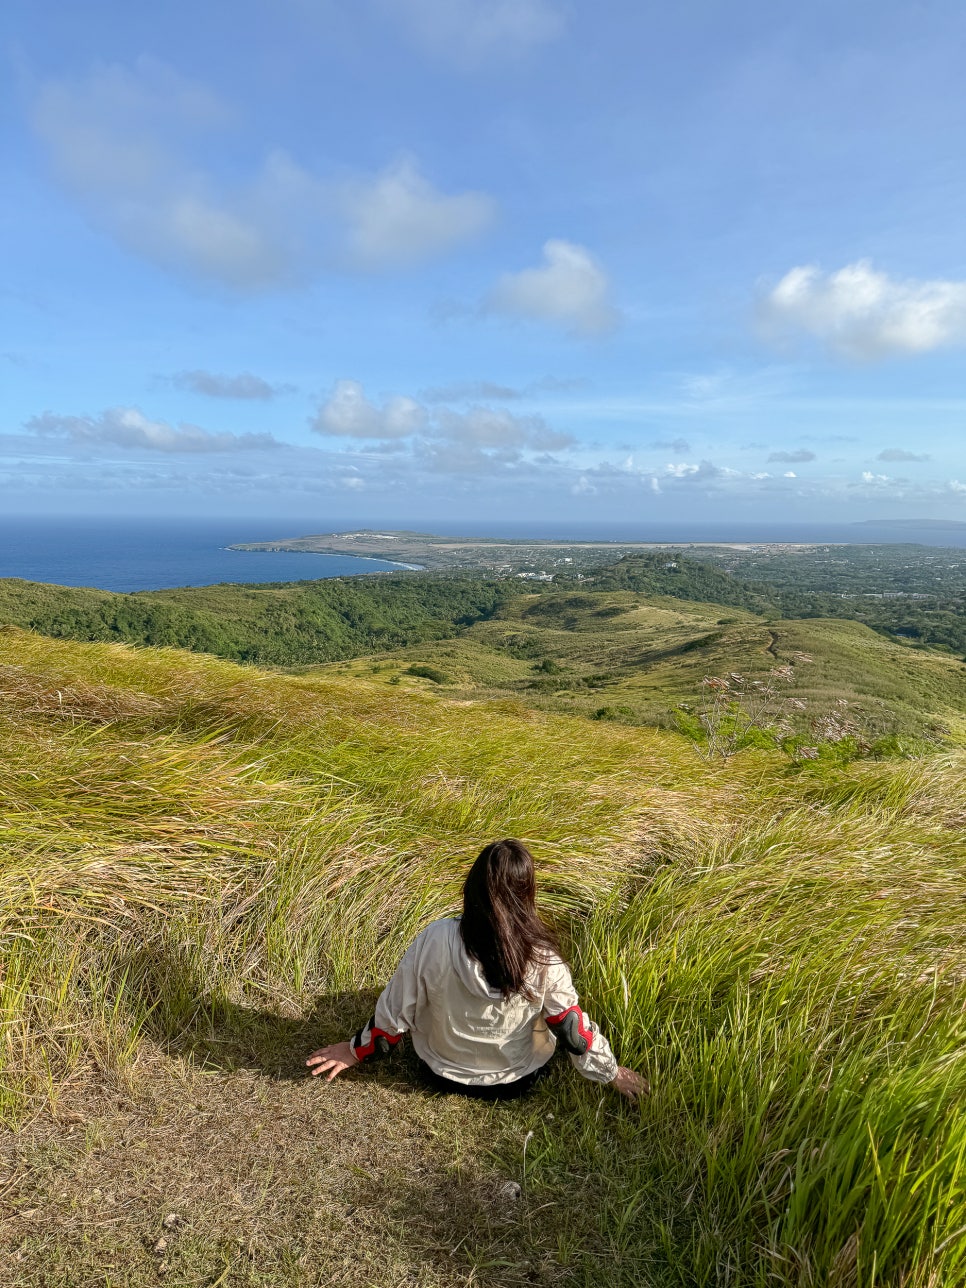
[[501, 927]]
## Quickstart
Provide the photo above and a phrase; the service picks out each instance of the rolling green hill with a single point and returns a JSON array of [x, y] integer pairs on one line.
[[293, 623], [206, 870], [582, 651], [668, 572], [615, 645]]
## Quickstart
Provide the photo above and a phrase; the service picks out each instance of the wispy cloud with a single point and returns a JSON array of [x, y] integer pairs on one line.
[[863, 314], [900, 454], [465, 390], [397, 218], [243, 386], [569, 289], [496, 427], [802, 455], [129, 428], [680, 445], [113, 139], [130, 144], [468, 33], [448, 461], [493, 391]]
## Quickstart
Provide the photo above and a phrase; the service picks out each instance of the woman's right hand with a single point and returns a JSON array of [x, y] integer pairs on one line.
[[630, 1084], [332, 1060]]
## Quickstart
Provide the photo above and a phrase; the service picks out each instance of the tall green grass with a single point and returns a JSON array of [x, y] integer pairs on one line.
[[174, 826], [782, 951], [795, 985]]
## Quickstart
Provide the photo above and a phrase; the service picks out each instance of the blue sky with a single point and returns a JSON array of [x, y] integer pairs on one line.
[[484, 259]]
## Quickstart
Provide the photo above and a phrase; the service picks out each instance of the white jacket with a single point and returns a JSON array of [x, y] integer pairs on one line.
[[470, 1033]]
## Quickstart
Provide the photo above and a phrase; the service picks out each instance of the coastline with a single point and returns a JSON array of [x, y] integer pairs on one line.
[[341, 554]]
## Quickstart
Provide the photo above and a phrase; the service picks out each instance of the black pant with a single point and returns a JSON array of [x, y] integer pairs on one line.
[[494, 1091]]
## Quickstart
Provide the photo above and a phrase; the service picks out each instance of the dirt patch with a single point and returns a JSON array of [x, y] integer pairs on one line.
[[238, 1178]]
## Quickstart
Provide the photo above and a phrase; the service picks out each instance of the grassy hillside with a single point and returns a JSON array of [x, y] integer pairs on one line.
[[208, 869], [638, 658]]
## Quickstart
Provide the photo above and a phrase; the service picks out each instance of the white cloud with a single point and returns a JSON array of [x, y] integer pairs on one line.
[[131, 146], [210, 384], [721, 480], [791, 457], [570, 288], [398, 218], [443, 471], [128, 427], [459, 457], [200, 233], [684, 470], [469, 32], [348, 413], [864, 314], [496, 427], [789, 474]]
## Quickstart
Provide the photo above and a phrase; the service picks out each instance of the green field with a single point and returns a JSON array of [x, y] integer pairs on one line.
[[208, 869]]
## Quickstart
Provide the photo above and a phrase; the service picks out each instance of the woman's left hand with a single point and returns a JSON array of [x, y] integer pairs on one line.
[[332, 1060], [630, 1084]]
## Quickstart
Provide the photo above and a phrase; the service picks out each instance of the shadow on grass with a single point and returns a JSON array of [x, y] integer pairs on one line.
[[429, 1179], [172, 1006]]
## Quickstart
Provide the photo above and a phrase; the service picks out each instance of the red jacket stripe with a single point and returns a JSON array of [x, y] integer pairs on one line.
[[583, 1028]]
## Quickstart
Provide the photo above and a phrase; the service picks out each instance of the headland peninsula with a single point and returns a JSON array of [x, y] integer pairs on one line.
[[493, 555]]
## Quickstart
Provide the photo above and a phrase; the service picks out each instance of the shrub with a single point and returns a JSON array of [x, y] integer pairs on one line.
[[428, 673], [614, 713], [548, 667]]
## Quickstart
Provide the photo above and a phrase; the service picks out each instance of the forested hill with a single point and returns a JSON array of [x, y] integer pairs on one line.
[[273, 625], [664, 572]]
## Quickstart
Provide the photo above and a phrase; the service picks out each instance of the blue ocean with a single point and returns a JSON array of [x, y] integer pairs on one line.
[[127, 555]]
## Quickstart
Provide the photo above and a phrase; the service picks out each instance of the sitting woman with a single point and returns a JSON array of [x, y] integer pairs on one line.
[[485, 997]]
